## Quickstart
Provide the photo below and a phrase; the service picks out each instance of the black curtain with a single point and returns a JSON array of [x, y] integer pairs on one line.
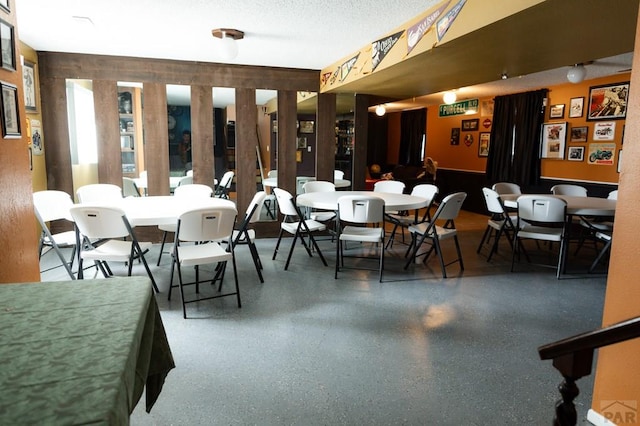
[[413, 125], [515, 138]]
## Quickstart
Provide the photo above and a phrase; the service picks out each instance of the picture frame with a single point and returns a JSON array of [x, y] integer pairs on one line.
[[10, 114], [301, 143], [470, 125], [601, 154], [306, 126], [299, 156], [554, 137], [575, 153], [604, 131], [608, 102], [7, 46], [556, 111], [579, 134], [4, 4], [29, 82], [455, 136], [576, 107], [484, 143]]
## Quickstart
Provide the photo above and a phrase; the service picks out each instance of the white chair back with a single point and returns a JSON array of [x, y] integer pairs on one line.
[[338, 174], [255, 206], [227, 178], [568, 189], [99, 193], [207, 224], [318, 186], [185, 180], [195, 190], [99, 222], [390, 186], [52, 205], [425, 190], [301, 182], [541, 209], [285, 202], [507, 188], [272, 174], [129, 187], [492, 199], [613, 195], [361, 209], [450, 206]]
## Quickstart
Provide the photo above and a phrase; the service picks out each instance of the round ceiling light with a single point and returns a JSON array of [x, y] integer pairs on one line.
[[380, 110], [576, 73], [228, 37], [449, 97]]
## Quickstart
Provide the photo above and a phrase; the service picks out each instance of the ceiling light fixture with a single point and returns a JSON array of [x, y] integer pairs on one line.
[[381, 110], [576, 73], [228, 37], [504, 76], [449, 97]]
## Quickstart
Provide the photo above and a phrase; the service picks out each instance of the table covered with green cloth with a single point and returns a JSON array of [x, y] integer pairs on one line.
[[80, 352]]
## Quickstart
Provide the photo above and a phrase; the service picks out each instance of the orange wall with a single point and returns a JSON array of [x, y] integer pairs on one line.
[[462, 157]]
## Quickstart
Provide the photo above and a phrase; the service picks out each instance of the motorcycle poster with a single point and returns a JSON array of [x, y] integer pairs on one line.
[[608, 102], [604, 131], [601, 154]]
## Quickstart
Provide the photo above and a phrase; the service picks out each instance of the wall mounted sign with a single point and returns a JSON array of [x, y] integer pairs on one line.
[[458, 108], [604, 131]]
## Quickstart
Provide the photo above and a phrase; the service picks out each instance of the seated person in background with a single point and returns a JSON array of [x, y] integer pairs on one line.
[[430, 168]]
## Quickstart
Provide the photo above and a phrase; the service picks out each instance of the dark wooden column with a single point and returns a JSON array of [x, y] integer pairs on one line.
[[287, 115], [326, 136], [246, 142], [105, 101], [156, 130], [359, 157], [202, 135], [55, 132]]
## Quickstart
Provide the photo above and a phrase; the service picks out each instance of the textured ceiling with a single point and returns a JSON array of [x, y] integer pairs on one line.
[[313, 35]]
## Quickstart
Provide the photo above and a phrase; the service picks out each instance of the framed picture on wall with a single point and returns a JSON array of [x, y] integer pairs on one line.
[[483, 144], [7, 46], [556, 111], [455, 136], [608, 102], [576, 107], [29, 82], [306, 126], [470, 125], [576, 153], [10, 117], [579, 134], [554, 136]]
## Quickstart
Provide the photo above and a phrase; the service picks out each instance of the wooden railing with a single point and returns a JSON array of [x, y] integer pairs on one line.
[[573, 357]]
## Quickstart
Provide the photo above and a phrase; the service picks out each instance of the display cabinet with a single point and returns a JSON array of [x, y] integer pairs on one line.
[[131, 146]]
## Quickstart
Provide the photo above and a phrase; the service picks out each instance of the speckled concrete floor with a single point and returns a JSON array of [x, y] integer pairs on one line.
[[306, 349]]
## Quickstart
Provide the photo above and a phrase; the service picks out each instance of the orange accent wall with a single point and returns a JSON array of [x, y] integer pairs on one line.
[[463, 157]]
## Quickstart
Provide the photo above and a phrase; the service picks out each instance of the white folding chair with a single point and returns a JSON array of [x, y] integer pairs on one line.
[[185, 180], [199, 234], [542, 218], [295, 224], [591, 226], [403, 221], [569, 189], [99, 193], [359, 212], [506, 188], [499, 223], [194, 190], [109, 226], [245, 235], [338, 174], [448, 211], [51, 206], [391, 186], [129, 187], [320, 186], [222, 190]]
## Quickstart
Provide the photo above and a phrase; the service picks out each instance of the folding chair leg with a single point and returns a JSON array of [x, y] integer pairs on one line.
[[164, 238]]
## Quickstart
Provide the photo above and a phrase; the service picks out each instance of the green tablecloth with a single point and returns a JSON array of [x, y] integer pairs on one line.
[[79, 352]]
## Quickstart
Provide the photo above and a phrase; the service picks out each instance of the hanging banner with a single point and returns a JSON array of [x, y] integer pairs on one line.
[[458, 108], [380, 48], [445, 22], [417, 31], [345, 69]]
